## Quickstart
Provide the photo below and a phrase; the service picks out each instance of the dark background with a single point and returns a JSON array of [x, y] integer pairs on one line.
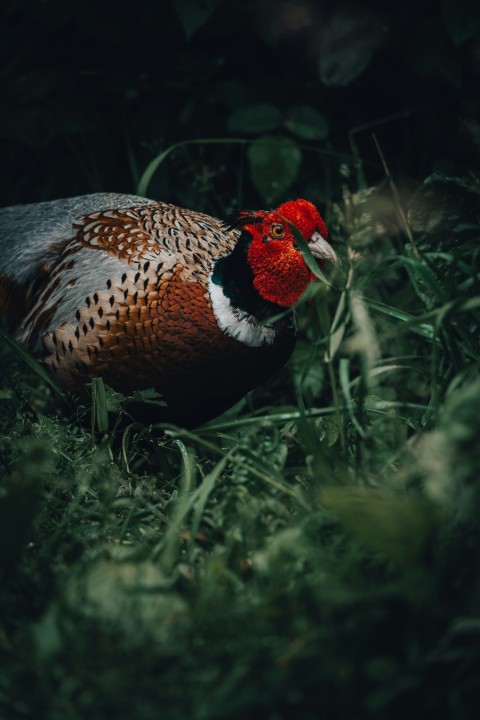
[[92, 91]]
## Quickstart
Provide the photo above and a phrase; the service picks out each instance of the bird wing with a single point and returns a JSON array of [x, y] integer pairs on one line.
[[32, 236], [70, 254], [159, 231]]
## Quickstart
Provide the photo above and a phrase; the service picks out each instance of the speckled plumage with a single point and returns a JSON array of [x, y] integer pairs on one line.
[[116, 287]]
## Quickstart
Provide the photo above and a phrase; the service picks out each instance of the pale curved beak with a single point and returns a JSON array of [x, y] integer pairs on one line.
[[321, 249]]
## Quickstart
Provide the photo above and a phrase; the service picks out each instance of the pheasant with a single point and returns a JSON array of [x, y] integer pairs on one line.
[[146, 294]]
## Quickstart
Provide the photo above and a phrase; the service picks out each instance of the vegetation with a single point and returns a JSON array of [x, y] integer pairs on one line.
[[316, 550]]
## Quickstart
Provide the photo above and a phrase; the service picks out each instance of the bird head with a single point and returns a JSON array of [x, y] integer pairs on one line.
[[279, 270]]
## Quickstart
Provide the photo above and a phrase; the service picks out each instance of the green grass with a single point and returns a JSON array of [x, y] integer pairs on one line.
[[315, 552]]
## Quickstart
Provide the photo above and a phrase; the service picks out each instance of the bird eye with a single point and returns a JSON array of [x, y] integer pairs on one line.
[[277, 231]]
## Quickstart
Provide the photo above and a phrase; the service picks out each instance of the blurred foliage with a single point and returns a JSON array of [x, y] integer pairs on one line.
[[93, 91], [315, 550]]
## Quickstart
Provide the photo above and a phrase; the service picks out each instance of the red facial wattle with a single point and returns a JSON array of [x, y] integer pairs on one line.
[[280, 273]]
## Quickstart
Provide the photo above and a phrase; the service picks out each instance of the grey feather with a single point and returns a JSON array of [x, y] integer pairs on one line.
[[29, 234]]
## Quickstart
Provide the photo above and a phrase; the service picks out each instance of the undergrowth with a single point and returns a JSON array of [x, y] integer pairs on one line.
[[315, 552]]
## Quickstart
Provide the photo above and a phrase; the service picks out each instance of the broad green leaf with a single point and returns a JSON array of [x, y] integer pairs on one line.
[[274, 164], [193, 13], [99, 406], [306, 253], [421, 328], [430, 53], [461, 19], [397, 526], [305, 122], [255, 119]]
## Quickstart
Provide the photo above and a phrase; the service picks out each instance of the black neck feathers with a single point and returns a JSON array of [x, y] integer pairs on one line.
[[234, 274]]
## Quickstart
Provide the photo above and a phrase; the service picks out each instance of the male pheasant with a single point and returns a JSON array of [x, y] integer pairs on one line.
[[147, 294]]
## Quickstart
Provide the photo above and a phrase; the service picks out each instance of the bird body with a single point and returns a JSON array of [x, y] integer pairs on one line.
[[147, 294]]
